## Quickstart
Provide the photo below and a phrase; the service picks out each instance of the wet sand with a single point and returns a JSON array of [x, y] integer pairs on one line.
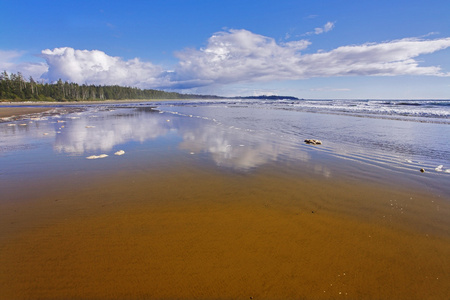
[[6, 112], [193, 233], [24, 108]]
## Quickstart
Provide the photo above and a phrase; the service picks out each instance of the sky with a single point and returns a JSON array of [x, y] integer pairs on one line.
[[322, 49]]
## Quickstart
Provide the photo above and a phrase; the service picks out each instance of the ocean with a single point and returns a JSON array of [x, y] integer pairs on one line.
[[398, 137]]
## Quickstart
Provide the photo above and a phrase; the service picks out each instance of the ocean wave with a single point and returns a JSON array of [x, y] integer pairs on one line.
[[434, 111]]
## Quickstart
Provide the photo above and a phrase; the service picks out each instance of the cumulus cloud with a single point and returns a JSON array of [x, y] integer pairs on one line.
[[236, 56], [96, 67], [242, 56]]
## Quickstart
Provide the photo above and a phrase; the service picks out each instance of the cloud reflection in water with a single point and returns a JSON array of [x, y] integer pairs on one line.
[[227, 146], [104, 133]]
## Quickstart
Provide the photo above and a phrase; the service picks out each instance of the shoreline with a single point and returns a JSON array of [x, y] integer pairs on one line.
[[10, 112], [18, 109], [62, 103]]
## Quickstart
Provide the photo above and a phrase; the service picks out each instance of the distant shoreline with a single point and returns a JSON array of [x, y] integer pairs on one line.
[[263, 97], [40, 103], [17, 109]]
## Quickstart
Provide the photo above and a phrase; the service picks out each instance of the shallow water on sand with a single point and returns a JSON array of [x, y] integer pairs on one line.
[[221, 201], [233, 136]]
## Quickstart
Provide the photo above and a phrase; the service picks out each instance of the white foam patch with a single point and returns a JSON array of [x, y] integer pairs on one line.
[[97, 156], [439, 168]]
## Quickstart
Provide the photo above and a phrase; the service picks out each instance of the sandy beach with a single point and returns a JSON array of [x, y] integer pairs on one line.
[[170, 220], [6, 112], [11, 109], [268, 236]]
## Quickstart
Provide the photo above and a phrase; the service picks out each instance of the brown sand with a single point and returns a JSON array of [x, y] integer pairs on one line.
[[202, 235], [6, 112], [24, 108]]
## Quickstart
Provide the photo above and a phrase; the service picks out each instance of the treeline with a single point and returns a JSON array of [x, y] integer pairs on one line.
[[14, 87]]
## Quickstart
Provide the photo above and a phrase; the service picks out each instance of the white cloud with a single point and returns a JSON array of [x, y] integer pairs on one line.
[[7, 56], [327, 27], [242, 56], [319, 30], [383, 59], [238, 55], [10, 62], [232, 57], [329, 89], [96, 67]]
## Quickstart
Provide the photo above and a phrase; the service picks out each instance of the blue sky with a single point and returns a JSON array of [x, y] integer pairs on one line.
[[309, 49]]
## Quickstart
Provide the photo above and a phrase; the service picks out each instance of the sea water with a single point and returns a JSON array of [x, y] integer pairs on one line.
[[394, 136], [365, 139]]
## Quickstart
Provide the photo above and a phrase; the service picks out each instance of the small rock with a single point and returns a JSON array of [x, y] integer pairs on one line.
[[422, 170], [313, 142]]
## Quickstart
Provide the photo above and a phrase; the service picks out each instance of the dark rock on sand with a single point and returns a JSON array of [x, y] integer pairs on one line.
[[313, 142]]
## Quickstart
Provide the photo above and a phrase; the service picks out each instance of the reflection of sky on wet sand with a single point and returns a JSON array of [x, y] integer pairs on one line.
[[227, 147], [90, 134], [238, 138], [95, 132], [236, 148]]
